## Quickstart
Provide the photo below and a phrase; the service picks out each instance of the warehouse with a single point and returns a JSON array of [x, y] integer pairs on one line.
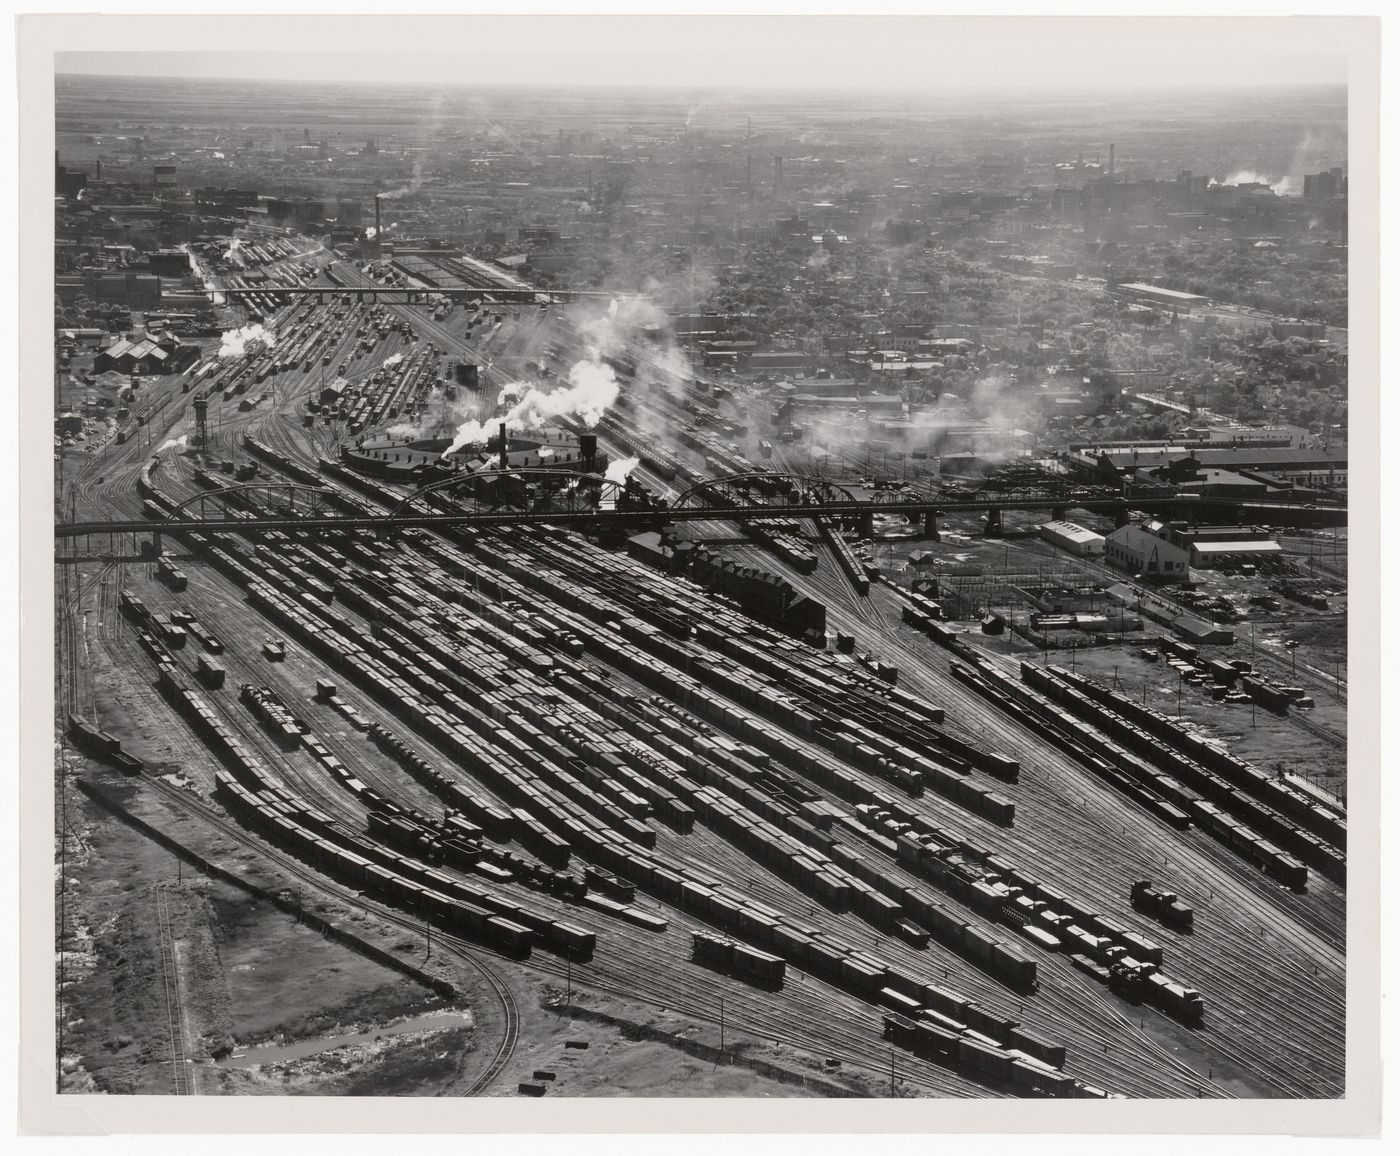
[[146, 356], [1137, 551], [1214, 547], [1073, 538]]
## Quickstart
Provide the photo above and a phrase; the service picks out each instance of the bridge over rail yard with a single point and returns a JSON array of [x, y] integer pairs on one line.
[[488, 511]]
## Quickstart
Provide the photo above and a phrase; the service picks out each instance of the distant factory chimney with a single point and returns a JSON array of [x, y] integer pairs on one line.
[[376, 217], [99, 168], [505, 448]]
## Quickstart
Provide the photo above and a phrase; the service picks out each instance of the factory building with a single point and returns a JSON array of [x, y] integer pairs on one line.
[[1138, 551], [135, 290], [1073, 538], [146, 355], [1214, 547], [169, 263]]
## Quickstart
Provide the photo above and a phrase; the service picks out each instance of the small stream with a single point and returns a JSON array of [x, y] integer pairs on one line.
[[280, 1053]]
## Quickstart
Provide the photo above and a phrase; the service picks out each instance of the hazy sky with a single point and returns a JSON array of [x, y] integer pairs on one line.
[[832, 52]]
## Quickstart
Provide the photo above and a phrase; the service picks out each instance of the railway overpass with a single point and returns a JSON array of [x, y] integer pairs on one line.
[[409, 295], [492, 516]]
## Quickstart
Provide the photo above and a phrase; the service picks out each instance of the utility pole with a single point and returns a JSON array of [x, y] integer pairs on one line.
[[721, 1026]]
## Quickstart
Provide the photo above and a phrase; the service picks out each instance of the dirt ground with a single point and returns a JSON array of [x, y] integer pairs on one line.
[[638, 1051], [1270, 741], [246, 970]]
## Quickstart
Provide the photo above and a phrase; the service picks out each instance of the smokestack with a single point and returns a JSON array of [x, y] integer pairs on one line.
[[505, 449], [588, 449], [99, 168], [376, 217], [1110, 160]]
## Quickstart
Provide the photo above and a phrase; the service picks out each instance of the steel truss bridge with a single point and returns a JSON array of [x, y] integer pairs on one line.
[[502, 498]]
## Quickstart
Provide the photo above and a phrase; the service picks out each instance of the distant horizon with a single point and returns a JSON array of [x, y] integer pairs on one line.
[[699, 86], [749, 52]]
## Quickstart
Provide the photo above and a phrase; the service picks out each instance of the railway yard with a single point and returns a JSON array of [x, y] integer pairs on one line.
[[554, 784]]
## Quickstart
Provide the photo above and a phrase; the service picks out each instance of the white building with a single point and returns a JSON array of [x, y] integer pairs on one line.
[[1133, 549], [1073, 538]]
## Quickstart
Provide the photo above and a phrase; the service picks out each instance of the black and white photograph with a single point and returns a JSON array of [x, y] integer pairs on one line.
[[682, 558]]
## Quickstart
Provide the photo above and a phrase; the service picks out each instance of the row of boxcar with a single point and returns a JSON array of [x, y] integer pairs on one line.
[[626, 861], [819, 954], [354, 858], [1000, 891], [1327, 823], [452, 842], [1291, 840], [268, 708], [778, 538], [1164, 906], [851, 566], [746, 963], [281, 822], [985, 1062], [396, 690], [281, 461], [908, 769], [1117, 768], [99, 744], [172, 575]]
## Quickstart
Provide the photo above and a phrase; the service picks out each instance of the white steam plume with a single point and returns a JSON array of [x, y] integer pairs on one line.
[[414, 184], [618, 471], [174, 443], [393, 360], [235, 342], [591, 390]]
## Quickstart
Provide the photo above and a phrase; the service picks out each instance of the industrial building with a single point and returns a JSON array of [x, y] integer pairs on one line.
[[1073, 538], [1156, 295], [1213, 547], [143, 354], [135, 290], [1138, 551]]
